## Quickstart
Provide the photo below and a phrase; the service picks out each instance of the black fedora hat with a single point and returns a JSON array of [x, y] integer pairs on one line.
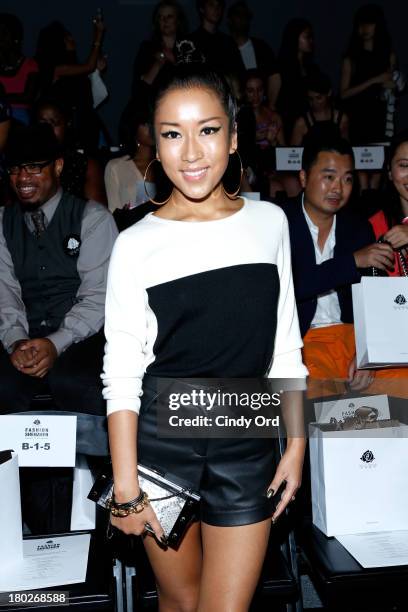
[[32, 143]]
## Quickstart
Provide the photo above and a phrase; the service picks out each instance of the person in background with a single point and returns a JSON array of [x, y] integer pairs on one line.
[[64, 78], [321, 122], [255, 52], [295, 64], [366, 75], [124, 176], [162, 50], [218, 49], [268, 133], [54, 254], [331, 249], [81, 175], [18, 74], [5, 121], [391, 222]]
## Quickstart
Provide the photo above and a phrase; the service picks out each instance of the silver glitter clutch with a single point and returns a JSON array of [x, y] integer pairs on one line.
[[174, 506]]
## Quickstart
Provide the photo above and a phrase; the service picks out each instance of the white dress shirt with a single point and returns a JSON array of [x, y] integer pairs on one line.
[[328, 308]]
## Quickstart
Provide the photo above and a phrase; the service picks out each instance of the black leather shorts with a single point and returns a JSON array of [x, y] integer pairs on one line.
[[232, 475]]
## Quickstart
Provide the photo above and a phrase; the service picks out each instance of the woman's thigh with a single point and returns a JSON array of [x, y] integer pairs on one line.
[[177, 572], [232, 563]]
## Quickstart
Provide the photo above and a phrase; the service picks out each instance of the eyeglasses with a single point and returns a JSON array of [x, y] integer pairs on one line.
[[36, 168]]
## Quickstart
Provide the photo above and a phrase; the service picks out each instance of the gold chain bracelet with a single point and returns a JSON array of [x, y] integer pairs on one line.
[[123, 512]]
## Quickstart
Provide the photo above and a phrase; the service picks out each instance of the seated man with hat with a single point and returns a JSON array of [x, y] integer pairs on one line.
[[54, 255]]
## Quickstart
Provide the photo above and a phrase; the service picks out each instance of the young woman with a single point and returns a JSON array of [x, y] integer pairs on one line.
[[201, 288], [18, 74], [391, 222], [295, 62], [65, 78], [81, 175], [321, 122], [124, 175], [366, 75], [268, 133]]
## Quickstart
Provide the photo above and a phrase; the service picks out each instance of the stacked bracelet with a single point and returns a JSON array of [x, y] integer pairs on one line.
[[134, 506]]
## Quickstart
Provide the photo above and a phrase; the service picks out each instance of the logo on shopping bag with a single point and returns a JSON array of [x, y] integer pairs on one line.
[[49, 545], [367, 457], [400, 300]]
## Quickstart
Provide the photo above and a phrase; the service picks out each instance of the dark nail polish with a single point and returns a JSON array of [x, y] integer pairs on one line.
[[270, 493], [164, 540]]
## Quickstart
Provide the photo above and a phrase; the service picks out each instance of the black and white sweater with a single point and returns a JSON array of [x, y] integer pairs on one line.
[[200, 299]]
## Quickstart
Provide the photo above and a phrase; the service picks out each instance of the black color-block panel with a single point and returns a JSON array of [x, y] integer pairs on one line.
[[216, 323]]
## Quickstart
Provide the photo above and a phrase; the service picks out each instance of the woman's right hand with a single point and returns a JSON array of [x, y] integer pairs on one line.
[[135, 523]]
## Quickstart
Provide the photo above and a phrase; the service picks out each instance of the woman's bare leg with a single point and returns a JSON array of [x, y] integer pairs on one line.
[[177, 572], [232, 563]]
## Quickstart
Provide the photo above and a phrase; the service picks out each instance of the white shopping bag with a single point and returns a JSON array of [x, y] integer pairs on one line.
[[83, 509], [11, 533], [359, 479], [380, 308]]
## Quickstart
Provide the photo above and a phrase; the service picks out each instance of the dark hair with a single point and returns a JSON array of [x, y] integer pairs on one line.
[[312, 150], [240, 5], [12, 25], [200, 4], [132, 117], [254, 73], [392, 208], [180, 16], [63, 109], [11, 37], [51, 50], [370, 13], [318, 82], [288, 52], [189, 76]]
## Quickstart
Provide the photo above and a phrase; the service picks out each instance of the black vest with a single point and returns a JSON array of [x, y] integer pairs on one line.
[[46, 267]]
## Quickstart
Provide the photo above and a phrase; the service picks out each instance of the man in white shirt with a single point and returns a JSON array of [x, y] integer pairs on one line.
[[331, 250]]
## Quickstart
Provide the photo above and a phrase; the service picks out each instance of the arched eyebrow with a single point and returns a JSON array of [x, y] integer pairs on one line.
[[199, 122]]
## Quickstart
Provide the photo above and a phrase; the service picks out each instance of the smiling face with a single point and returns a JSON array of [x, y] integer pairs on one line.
[[33, 190], [399, 172], [193, 141], [327, 184]]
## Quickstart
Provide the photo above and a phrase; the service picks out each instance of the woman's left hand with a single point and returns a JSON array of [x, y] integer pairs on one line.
[[397, 236], [289, 470]]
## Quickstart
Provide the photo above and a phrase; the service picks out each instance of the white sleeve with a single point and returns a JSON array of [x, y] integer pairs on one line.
[[287, 358], [126, 330]]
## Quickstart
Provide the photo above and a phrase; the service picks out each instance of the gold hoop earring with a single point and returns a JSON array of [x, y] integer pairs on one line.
[[145, 188], [234, 195]]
